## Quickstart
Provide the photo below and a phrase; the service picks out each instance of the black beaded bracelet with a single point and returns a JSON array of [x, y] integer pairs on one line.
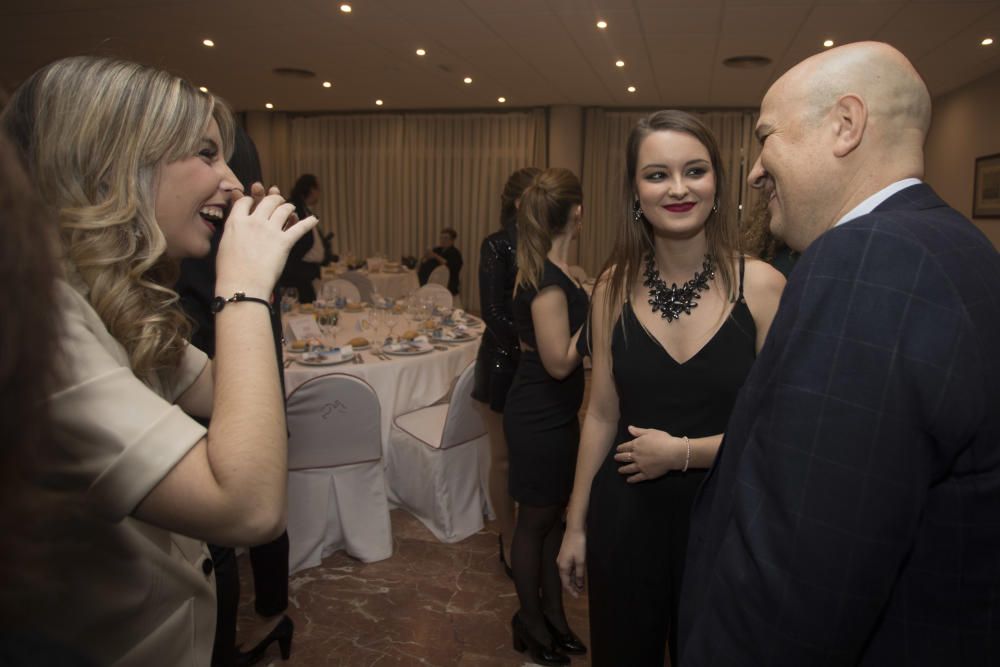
[[219, 302]]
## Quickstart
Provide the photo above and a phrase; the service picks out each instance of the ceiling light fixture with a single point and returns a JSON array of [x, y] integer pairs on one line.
[[747, 62], [346, 8], [987, 41], [421, 52], [208, 42], [268, 106], [619, 63], [467, 80], [327, 84], [203, 89], [828, 43], [602, 24], [379, 103], [501, 100], [631, 89]]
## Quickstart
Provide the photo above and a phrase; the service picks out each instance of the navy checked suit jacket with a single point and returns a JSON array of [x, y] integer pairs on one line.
[[852, 516]]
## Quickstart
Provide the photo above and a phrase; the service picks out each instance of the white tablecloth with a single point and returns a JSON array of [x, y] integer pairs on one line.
[[403, 383], [393, 285]]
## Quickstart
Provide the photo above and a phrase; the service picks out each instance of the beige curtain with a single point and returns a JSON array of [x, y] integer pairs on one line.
[[391, 182], [605, 134]]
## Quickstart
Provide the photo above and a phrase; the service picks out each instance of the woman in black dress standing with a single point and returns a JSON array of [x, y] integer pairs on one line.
[[498, 350], [540, 417], [668, 362]]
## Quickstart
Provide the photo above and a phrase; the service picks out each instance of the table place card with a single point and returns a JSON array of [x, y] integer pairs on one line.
[[301, 327]]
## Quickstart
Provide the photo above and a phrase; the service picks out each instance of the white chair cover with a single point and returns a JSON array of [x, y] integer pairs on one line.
[[439, 276], [578, 272], [361, 281], [440, 295], [339, 287], [336, 484], [433, 464]]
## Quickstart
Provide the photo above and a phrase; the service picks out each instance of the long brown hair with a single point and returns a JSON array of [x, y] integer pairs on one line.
[[544, 212], [635, 239], [512, 191]]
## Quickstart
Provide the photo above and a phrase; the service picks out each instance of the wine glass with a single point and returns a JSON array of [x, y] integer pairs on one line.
[[289, 299]]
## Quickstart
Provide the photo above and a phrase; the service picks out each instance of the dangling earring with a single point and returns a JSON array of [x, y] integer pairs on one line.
[[715, 206], [636, 211]]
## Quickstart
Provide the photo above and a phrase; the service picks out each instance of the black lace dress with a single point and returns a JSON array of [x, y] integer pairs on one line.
[[498, 350]]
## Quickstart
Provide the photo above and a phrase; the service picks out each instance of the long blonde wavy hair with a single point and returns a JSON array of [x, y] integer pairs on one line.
[[93, 133]]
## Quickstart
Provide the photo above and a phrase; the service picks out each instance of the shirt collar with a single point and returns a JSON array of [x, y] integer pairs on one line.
[[869, 205]]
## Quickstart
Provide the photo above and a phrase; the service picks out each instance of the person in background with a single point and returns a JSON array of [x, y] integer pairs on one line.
[[443, 254], [678, 318], [269, 561], [131, 161], [308, 254], [851, 516], [759, 242], [498, 349], [540, 416]]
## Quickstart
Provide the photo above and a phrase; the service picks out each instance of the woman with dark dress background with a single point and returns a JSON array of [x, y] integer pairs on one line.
[[309, 252], [540, 416], [668, 362], [498, 350]]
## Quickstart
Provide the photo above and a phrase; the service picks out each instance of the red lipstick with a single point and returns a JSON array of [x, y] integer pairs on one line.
[[680, 208]]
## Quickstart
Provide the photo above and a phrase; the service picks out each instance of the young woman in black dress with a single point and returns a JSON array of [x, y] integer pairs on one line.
[[540, 417], [668, 362], [499, 351]]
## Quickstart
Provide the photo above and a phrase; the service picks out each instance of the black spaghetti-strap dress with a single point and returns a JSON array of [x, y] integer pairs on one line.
[[637, 533], [540, 418]]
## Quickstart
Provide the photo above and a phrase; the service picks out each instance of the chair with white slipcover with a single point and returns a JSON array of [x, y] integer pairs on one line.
[[434, 464], [439, 295], [332, 289], [336, 485]]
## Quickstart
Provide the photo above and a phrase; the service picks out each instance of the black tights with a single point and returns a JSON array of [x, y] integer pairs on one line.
[[537, 539]]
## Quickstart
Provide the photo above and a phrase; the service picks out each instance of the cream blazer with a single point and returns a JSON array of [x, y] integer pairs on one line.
[[138, 594]]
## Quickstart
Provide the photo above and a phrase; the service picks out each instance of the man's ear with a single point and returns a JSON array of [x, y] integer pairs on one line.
[[850, 118]]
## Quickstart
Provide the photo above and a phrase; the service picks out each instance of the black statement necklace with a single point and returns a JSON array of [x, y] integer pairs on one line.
[[672, 301]]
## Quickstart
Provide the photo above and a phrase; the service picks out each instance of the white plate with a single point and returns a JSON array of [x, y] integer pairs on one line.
[[327, 360], [457, 339], [407, 351]]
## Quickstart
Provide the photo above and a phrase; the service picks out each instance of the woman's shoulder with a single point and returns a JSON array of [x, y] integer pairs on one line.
[[760, 277]]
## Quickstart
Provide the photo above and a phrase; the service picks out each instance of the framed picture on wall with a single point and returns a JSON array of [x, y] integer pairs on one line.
[[986, 191]]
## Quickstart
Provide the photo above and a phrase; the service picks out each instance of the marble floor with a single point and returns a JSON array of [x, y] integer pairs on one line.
[[430, 604]]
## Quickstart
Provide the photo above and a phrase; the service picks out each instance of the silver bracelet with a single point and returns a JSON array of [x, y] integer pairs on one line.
[[687, 459]]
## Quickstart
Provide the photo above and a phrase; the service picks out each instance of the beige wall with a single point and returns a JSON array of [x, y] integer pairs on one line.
[[966, 125]]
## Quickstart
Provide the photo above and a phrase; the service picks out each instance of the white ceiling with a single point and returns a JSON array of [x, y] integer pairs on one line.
[[533, 52]]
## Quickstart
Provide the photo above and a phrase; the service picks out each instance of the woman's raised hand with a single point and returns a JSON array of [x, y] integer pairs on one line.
[[255, 242]]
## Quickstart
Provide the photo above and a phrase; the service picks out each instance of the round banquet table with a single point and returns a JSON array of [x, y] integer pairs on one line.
[[402, 384]]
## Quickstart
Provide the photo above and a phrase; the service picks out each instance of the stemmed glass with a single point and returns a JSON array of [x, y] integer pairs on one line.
[[289, 299]]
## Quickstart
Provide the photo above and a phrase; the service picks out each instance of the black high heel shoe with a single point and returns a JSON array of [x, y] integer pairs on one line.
[[503, 561], [541, 654], [566, 642], [282, 634]]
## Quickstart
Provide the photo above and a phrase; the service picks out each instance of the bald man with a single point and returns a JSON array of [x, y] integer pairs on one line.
[[852, 516]]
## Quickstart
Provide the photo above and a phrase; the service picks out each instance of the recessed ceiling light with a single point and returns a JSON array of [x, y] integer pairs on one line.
[[346, 8], [203, 89], [208, 42], [501, 100], [602, 24], [421, 52], [631, 89], [987, 41], [619, 63], [268, 106], [327, 84], [828, 43], [467, 79], [378, 103]]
